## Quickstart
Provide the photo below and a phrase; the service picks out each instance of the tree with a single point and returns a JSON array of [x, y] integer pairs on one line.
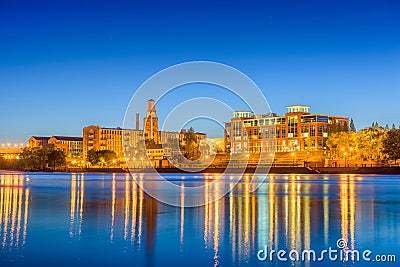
[[107, 156], [41, 159], [391, 144], [28, 158], [101, 156], [40, 156], [93, 157], [352, 126], [341, 141], [338, 128], [369, 143], [191, 148], [56, 159]]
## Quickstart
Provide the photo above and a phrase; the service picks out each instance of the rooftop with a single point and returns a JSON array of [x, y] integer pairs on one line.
[[68, 138], [41, 138], [298, 105]]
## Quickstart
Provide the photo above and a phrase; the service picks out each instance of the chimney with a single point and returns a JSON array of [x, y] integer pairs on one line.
[[137, 121]]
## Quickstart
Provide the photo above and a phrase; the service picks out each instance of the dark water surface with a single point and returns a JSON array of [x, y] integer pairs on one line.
[[106, 220]]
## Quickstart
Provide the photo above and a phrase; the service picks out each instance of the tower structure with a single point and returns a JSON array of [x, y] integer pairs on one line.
[[150, 127]]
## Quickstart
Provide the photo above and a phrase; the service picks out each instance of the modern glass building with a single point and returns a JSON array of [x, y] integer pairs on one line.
[[297, 130]]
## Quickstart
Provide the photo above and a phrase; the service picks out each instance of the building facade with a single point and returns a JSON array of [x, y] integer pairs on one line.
[[71, 146], [150, 123], [298, 130], [132, 142], [114, 139], [38, 141]]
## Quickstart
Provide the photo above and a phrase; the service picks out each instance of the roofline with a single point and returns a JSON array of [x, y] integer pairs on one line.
[[40, 137], [299, 105], [243, 111], [61, 137]]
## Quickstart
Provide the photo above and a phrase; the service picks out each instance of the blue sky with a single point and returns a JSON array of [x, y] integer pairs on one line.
[[68, 64]]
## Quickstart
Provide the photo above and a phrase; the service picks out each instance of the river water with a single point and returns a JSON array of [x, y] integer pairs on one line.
[[63, 219]]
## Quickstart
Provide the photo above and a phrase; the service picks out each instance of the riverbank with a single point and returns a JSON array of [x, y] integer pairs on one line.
[[273, 170]]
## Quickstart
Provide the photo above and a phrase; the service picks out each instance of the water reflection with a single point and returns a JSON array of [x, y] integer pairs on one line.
[[14, 208], [76, 204], [348, 208], [288, 212], [130, 210]]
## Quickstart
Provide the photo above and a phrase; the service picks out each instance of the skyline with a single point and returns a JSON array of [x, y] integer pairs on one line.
[[62, 63]]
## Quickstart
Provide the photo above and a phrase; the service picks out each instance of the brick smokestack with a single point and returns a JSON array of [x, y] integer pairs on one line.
[[137, 121]]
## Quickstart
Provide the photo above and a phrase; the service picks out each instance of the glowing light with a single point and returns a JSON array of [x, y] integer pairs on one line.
[[13, 211]]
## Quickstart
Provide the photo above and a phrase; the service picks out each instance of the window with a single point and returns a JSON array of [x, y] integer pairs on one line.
[[292, 120], [323, 119], [304, 129], [320, 133], [283, 131], [292, 131], [312, 130]]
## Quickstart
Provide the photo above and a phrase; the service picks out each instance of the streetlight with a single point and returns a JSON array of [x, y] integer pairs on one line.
[[345, 159]]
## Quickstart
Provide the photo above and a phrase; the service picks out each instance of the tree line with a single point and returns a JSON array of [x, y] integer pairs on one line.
[[375, 143], [43, 159]]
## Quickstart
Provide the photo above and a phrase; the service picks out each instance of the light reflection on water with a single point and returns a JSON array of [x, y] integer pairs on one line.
[[100, 219], [14, 206]]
